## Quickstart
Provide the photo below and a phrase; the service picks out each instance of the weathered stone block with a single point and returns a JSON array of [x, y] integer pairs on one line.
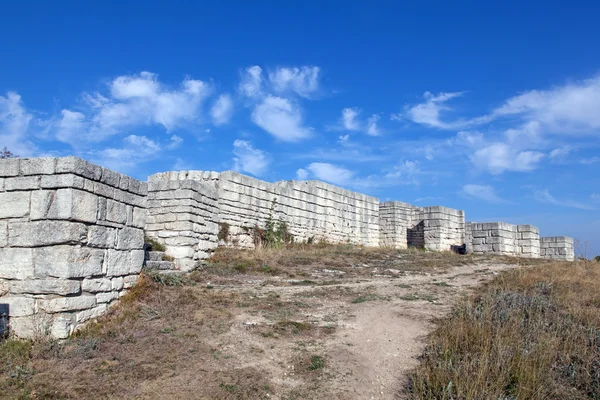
[[45, 233], [107, 297], [62, 326], [95, 285], [61, 181], [101, 236], [79, 167], [19, 306], [22, 183], [16, 263], [45, 286], [116, 212], [117, 283], [70, 204], [37, 166], [85, 315], [9, 167], [68, 261], [130, 238], [14, 204], [64, 304]]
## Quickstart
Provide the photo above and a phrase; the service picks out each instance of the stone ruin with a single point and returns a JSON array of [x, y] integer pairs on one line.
[[72, 233]]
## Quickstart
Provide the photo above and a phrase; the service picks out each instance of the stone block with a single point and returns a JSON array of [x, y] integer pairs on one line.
[[130, 238], [79, 167], [45, 233], [139, 217], [9, 167], [117, 283], [101, 236], [19, 306], [61, 181], [95, 285], [129, 281], [16, 263], [118, 263], [3, 233], [116, 212], [14, 204], [68, 304], [86, 315], [22, 183], [137, 260], [37, 166], [68, 261], [62, 326], [69, 204], [110, 178], [107, 297], [46, 286]]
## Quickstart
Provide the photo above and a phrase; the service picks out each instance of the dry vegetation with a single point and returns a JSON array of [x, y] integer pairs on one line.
[[323, 322], [529, 334]]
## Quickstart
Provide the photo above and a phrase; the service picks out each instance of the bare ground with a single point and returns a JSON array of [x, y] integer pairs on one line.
[[310, 324]]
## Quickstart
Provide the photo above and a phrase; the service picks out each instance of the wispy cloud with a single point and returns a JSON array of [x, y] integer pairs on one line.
[[249, 159], [281, 118], [544, 196], [304, 81], [14, 125], [222, 110], [482, 192]]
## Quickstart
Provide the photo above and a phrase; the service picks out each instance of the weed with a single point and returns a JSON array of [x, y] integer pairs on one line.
[[168, 279], [156, 246], [223, 231], [369, 297], [410, 297], [230, 388], [316, 362]]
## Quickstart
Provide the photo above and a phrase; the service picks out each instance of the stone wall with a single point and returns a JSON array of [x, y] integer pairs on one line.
[[433, 228], [71, 238], [182, 214], [503, 239], [311, 209], [557, 248]]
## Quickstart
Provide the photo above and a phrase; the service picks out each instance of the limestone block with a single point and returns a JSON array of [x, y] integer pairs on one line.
[[19, 306], [24, 327], [95, 285], [14, 204], [16, 263], [9, 167], [61, 181], [116, 212], [530, 235], [180, 252], [79, 167], [129, 281], [68, 261], [130, 238], [71, 204], [118, 263], [22, 183], [86, 315], [62, 326], [45, 233], [68, 304], [110, 178], [101, 236], [37, 166], [3, 233], [137, 261], [117, 283], [45, 286], [104, 190], [107, 297], [483, 248]]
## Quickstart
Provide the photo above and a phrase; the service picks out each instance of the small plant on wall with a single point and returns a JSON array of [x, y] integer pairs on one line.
[[275, 234]]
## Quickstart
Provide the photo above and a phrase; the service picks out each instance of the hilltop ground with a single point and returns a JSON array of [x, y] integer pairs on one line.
[[319, 322]]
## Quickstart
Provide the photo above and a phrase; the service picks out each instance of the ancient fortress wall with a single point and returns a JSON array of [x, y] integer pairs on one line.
[[71, 238], [182, 214], [72, 233], [433, 228]]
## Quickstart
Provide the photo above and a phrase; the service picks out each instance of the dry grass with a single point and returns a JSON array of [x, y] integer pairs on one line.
[[532, 333]]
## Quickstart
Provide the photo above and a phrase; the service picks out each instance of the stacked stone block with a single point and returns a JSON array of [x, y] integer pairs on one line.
[[443, 227], [557, 248], [310, 209], [493, 238], [71, 238], [528, 241], [395, 221], [182, 215]]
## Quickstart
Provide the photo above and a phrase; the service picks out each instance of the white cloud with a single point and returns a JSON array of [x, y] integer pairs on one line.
[[222, 110], [560, 153], [343, 139], [544, 196], [135, 101], [135, 150], [302, 174], [14, 125], [248, 159], [252, 80], [372, 128], [304, 81], [349, 118], [591, 160], [482, 192], [175, 142], [404, 169], [500, 157], [280, 118], [331, 173], [429, 112], [568, 109]]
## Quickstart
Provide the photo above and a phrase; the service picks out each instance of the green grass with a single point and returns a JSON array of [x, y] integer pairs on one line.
[[316, 363]]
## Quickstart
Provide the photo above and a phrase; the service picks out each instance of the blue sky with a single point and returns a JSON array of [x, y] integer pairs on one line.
[[490, 108]]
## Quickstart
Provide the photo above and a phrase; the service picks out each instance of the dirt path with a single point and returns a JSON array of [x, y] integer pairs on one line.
[[380, 326]]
